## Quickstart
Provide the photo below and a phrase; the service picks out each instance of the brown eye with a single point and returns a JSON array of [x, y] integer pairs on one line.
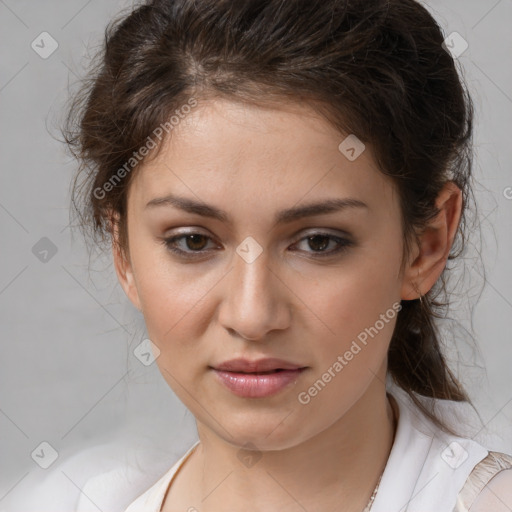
[[194, 245], [195, 242], [187, 245], [318, 243]]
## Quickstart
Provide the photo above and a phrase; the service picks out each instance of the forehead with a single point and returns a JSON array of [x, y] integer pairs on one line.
[[230, 153]]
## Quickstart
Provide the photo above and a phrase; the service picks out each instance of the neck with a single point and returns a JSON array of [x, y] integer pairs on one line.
[[343, 464]]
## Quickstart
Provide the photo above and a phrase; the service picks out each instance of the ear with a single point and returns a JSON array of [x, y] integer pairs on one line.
[[435, 243], [122, 263]]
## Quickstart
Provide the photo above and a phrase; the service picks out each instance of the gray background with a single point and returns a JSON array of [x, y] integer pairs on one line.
[[68, 375]]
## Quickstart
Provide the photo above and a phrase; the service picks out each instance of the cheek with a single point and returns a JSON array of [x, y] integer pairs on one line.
[[355, 312], [350, 299], [165, 291], [356, 324], [174, 318], [177, 306], [173, 308]]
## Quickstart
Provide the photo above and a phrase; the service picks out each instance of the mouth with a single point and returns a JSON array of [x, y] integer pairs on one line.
[[260, 366], [258, 384], [268, 372]]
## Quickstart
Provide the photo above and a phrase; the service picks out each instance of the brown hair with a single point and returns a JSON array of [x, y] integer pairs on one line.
[[376, 69]]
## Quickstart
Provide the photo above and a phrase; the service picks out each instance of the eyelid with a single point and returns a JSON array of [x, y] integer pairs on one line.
[[340, 233]]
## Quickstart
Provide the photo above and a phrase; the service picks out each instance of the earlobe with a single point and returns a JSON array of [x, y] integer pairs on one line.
[[123, 266], [435, 243]]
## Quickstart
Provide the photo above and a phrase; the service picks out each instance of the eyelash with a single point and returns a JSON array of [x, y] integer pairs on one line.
[[344, 245]]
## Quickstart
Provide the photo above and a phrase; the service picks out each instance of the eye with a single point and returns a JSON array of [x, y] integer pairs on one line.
[[319, 242], [193, 245], [193, 241]]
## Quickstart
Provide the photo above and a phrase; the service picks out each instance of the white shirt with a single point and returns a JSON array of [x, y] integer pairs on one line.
[[424, 473]]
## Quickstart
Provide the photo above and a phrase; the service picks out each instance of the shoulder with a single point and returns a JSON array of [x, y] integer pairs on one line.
[[121, 480], [457, 469], [60, 486], [496, 495], [105, 475]]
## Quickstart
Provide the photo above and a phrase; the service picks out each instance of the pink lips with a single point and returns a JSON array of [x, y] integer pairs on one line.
[[257, 379]]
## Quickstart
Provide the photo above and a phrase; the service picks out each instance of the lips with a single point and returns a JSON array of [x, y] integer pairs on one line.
[[266, 365], [258, 385]]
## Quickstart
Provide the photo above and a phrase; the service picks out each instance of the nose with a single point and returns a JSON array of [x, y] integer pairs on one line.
[[255, 299]]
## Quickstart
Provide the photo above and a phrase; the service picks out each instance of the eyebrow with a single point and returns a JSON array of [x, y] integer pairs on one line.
[[328, 205]]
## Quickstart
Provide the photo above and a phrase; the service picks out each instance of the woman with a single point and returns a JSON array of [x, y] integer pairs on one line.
[[284, 182]]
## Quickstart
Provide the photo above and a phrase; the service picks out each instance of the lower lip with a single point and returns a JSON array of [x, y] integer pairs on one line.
[[257, 385]]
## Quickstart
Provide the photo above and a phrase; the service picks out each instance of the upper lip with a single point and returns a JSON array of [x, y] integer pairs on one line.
[[260, 365]]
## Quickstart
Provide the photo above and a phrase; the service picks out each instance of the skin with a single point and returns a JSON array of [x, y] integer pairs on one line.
[[289, 303]]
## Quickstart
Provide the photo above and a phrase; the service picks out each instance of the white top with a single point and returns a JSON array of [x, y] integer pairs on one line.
[[426, 469], [425, 472]]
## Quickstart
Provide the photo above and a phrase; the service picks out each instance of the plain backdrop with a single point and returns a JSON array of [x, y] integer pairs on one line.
[[68, 374]]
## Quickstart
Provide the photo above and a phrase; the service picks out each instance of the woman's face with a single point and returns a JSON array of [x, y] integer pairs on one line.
[[251, 284]]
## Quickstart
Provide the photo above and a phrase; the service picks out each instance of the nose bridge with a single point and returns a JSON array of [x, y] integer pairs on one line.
[[252, 306]]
